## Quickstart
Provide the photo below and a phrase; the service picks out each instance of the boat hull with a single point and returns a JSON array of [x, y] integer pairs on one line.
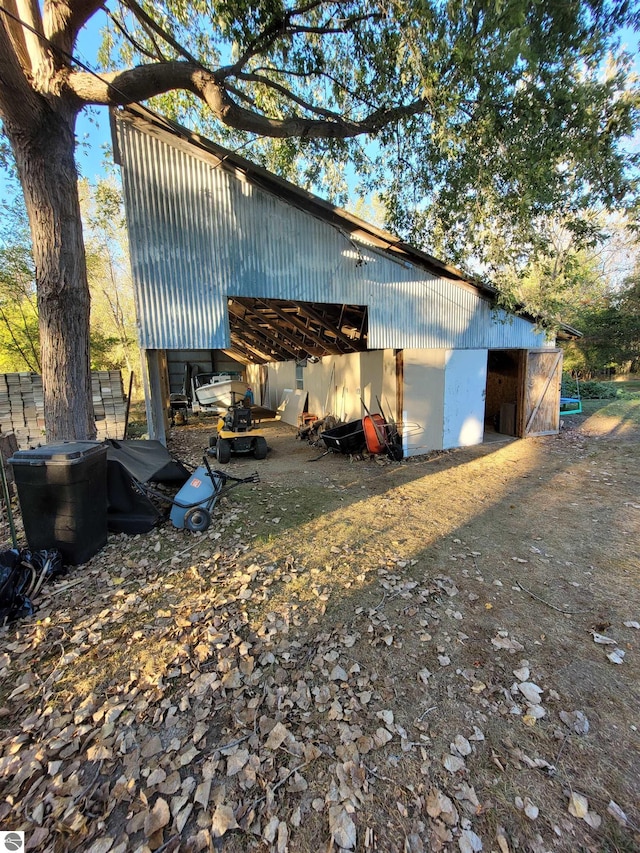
[[220, 395]]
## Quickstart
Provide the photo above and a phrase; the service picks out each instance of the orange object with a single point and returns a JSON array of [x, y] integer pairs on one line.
[[375, 433]]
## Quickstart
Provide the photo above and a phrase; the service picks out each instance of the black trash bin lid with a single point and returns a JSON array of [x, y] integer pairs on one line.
[[63, 452]]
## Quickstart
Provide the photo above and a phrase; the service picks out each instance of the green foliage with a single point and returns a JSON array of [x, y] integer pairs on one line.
[[113, 331], [589, 389], [611, 331], [19, 349], [112, 334], [523, 107]]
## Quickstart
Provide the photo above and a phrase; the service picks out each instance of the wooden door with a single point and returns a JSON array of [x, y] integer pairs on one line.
[[541, 405]]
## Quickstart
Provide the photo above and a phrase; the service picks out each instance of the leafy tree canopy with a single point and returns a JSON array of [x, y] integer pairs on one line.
[[486, 116], [611, 332]]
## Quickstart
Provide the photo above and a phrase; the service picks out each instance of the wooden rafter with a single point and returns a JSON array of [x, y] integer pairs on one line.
[[253, 353], [310, 312], [245, 316], [297, 324], [279, 330], [243, 326]]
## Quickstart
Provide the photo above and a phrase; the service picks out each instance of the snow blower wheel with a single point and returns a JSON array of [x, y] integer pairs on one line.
[[197, 519]]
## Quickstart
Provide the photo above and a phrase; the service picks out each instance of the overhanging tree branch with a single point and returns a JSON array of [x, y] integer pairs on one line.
[[145, 81]]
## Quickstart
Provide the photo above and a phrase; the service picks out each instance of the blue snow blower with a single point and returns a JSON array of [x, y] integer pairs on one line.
[[192, 507]]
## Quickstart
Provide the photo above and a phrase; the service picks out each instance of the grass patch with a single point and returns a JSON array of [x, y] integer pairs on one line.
[[624, 410]]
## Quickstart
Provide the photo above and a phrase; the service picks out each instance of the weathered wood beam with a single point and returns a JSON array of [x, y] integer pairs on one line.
[[243, 318], [308, 311], [254, 356], [297, 324]]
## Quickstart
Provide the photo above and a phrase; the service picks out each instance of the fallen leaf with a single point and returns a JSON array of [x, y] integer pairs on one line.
[[501, 838], [338, 674], [508, 644], [461, 745], [453, 763], [576, 721], [270, 831], [223, 820], [530, 691], [578, 805], [386, 716], [156, 777], [469, 842], [277, 736], [157, 818], [342, 827], [99, 752], [593, 819], [283, 837], [602, 640], [522, 674], [382, 736], [616, 812], [202, 793], [237, 761], [440, 806]]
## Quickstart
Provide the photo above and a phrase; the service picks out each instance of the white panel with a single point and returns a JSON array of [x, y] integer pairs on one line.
[[282, 377], [464, 396], [424, 373], [318, 380]]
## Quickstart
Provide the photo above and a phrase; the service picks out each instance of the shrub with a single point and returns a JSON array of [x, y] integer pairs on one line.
[[589, 390]]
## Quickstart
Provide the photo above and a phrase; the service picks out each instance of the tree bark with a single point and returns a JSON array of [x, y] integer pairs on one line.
[[44, 153]]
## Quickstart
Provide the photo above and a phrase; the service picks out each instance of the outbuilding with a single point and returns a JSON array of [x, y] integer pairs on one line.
[[237, 270]]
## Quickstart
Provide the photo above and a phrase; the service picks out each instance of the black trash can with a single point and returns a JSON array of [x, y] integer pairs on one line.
[[62, 489]]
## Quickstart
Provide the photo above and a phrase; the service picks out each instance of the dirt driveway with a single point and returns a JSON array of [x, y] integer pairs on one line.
[[438, 654]]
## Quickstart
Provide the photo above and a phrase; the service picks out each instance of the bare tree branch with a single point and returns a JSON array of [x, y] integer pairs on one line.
[[145, 81], [286, 72], [278, 28], [287, 93], [157, 56], [147, 20]]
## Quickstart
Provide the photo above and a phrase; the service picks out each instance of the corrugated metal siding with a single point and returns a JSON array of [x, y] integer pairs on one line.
[[199, 233]]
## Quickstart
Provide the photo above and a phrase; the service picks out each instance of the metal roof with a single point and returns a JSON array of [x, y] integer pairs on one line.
[[226, 255]]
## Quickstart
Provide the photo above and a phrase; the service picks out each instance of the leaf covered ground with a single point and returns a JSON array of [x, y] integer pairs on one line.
[[433, 655]]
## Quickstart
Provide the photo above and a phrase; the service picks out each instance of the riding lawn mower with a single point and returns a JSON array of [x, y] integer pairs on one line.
[[236, 434]]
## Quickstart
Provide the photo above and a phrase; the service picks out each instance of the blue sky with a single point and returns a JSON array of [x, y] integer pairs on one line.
[[93, 132]]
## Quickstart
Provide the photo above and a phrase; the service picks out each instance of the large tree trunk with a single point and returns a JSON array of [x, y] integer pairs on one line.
[[46, 165]]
